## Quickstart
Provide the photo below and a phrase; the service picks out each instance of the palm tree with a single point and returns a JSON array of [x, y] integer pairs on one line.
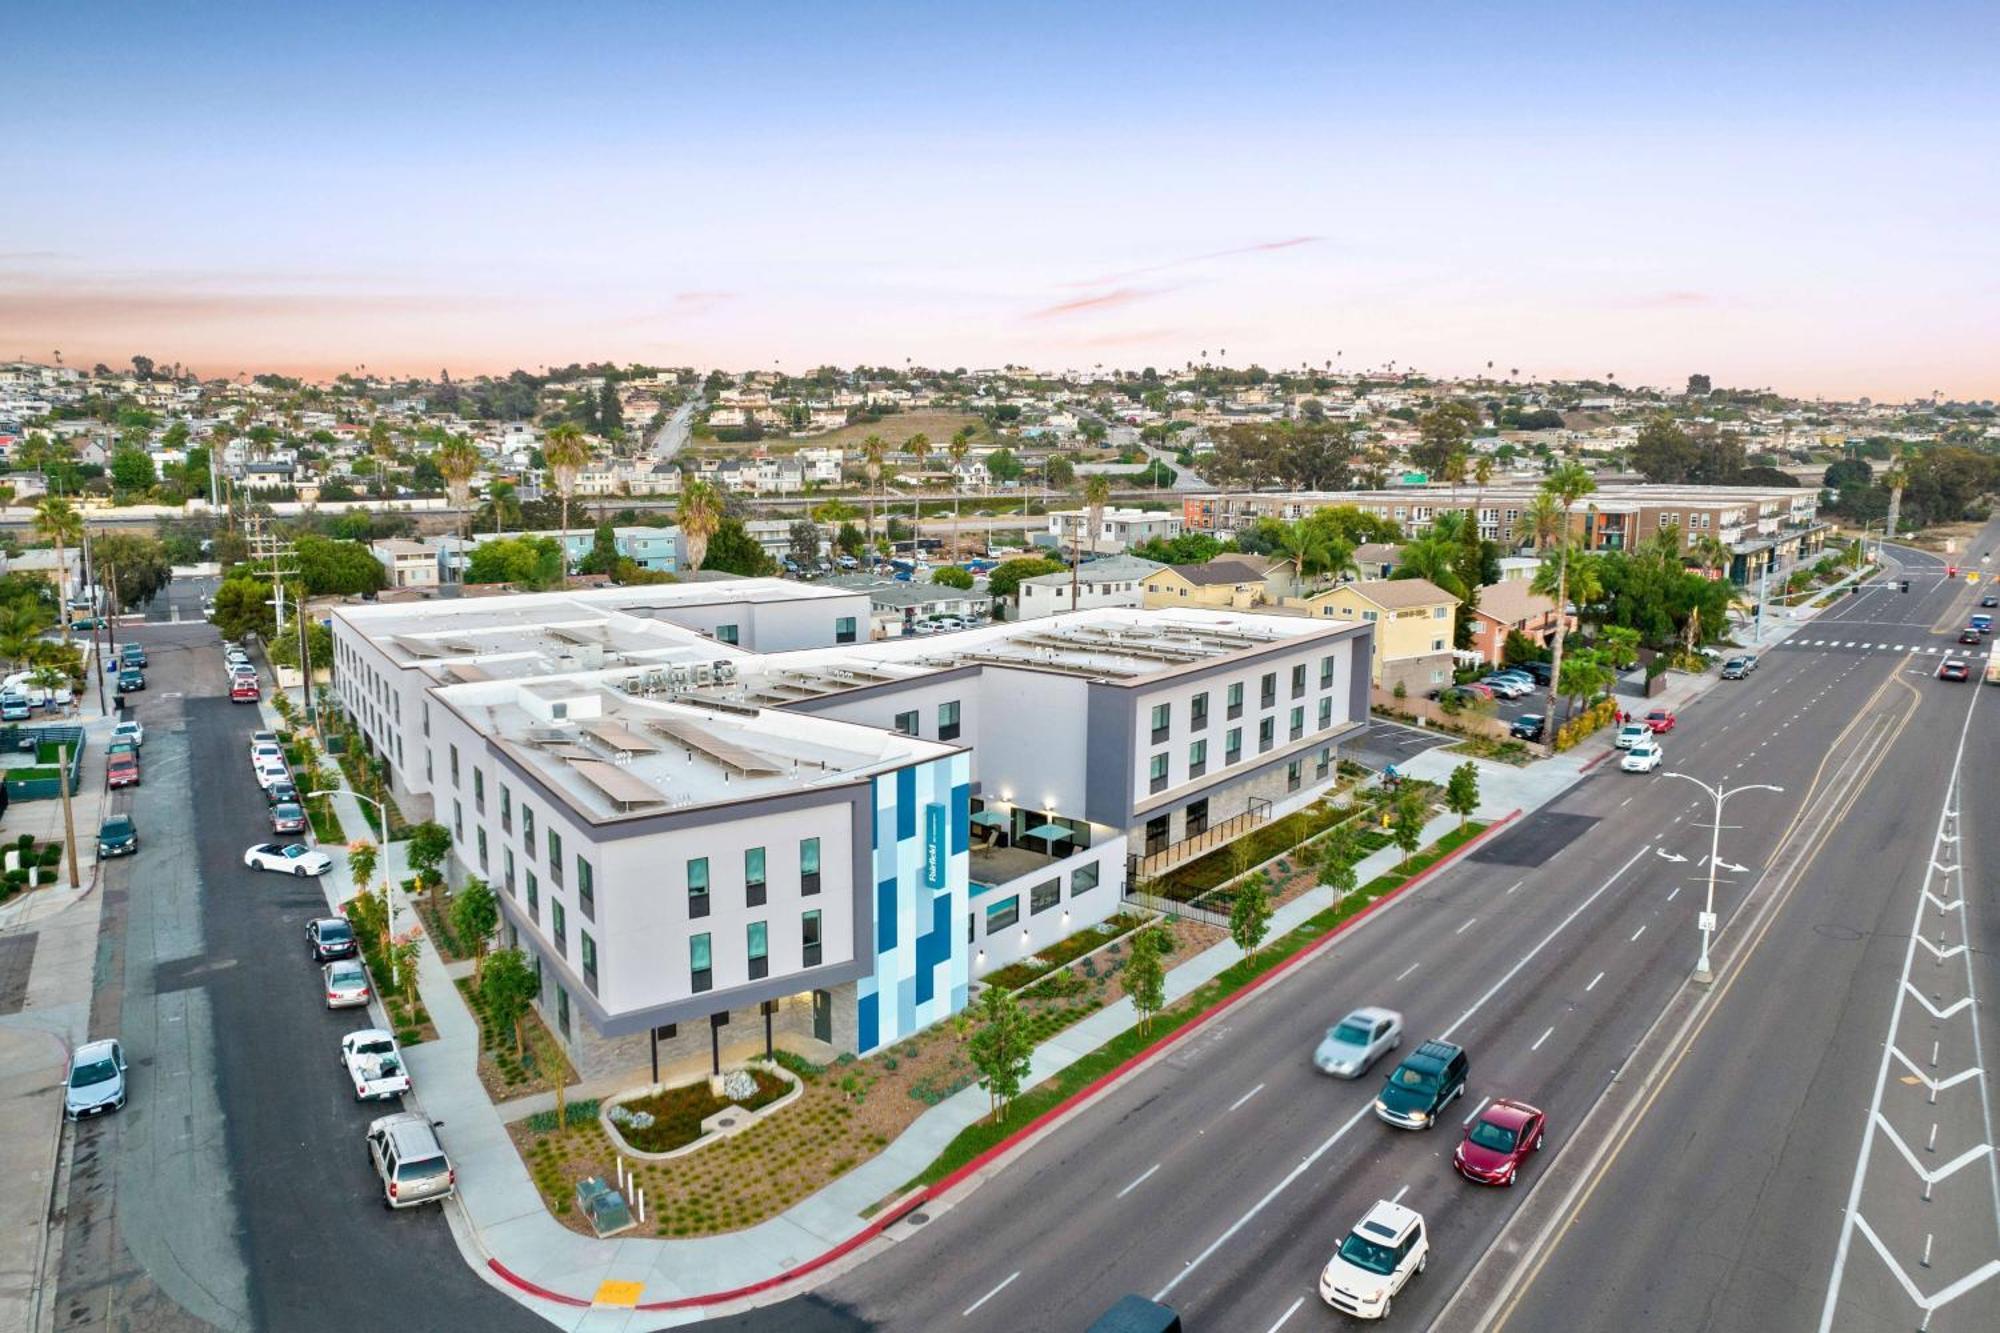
[[379, 444], [1542, 520], [457, 461], [699, 515], [961, 443], [565, 453], [919, 446], [1096, 494], [1305, 545], [1712, 553], [57, 520], [1894, 478], [1566, 485], [873, 451]]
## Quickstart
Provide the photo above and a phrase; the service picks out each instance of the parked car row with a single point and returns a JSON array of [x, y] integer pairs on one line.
[[243, 686], [1390, 1244]]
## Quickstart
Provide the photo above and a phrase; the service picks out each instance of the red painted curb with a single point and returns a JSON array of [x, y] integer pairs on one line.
[[1074, 1102], [1595, 762]]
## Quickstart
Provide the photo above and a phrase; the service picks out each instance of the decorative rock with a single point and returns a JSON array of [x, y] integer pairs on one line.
[[738, 1085]]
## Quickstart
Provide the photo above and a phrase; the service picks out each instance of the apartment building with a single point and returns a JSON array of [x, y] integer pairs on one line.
[[832, 843], [1413, 628], [1114, 581], [1117, 529], [1763, 529], [407, 564]]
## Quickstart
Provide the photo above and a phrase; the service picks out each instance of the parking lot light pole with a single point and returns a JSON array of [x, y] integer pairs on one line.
[[1702, 971]]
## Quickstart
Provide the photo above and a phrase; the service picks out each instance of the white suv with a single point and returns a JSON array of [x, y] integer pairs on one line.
[[1384, 1251]]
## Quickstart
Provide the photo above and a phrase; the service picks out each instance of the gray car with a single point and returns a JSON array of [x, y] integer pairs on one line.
[[96, 1080], [409, 1160], [346, 983], [1358, 1041], [1736, 668]]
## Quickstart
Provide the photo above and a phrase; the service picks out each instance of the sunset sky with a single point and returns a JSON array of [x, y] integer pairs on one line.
[[1800, 196]]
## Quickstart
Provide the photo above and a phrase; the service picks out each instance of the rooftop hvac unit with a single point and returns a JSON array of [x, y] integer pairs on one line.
[[704, 674], [677, 677], [725, 671]]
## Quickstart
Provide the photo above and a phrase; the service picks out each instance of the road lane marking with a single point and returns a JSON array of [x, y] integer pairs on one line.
[[991, 1294], [1515, 885], [1593, 983], [1341, 1132], [1406, 971], [1675, 894], [1469, 921], [1286, 1315], [1398, 1196], [1144, 1176], [1475, 1111], [1232, 1106], [1636, 934], [1539, 1040]]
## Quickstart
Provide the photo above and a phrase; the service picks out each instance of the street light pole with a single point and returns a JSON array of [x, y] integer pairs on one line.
[[1702, 972]]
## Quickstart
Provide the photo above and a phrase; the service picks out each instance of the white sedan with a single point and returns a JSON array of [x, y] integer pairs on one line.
[[1643, 757], [288, 858]]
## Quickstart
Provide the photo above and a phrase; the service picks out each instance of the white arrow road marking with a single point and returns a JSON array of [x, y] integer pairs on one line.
[[1923, 1302], [1666, 855], [1934, 1010], [1956, 1164], [1935, 1085], [1941, 954], [1942, 905]]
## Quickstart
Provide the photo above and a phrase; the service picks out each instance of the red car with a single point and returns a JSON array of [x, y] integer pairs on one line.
[[1497, 1141], [1660, 721], [1954, 668], [243, 690], [122, 770]]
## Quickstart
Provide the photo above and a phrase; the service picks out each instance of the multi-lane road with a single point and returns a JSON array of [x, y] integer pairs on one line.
[[1219, 1178]]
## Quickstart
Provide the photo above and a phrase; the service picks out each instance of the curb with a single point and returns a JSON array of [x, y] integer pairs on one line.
[[1077, 1101]]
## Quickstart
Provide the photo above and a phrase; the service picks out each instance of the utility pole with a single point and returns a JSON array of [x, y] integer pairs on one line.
[[69, 818], [269, 546]]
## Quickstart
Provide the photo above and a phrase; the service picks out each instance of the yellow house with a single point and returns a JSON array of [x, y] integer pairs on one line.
[[1413, 621], [1226, 583]]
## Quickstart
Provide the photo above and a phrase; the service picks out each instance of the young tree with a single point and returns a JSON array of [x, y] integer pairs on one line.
[[1409, 827], [804, 543], [1461, 792], [1145, 979], [1000, 1049], [1337, 857], [475, 915], [430, 844], [507, 987], [1250, 914]]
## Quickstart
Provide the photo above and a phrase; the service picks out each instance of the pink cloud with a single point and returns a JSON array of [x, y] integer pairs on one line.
[[1114, 299], [1261, 247]]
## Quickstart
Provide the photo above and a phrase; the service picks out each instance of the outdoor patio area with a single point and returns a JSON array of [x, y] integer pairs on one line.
[[1001, 865]]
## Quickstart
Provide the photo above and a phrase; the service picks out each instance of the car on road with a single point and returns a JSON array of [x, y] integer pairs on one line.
[[1644, 757], [346, 983], [1508, 687], [131, 680], [1528, 728], [1136, 1314], [288, 858], [1358, 1041], [409, 1160], [288, 817], [1631, 734], [258, 738], [121, 770], [374, 1065], [1970, 636], [96, 1081], [244, 691], [272, 771], [260, 755], [1388, 1246], [1421, 1086], [117, 836], [15, 708], [278, 793], [129, 731], [330, 937], [1735, 669], [1989, 600], [1499, 1139], [1660, 721], [132, 654], [1954, 668], [87, 624], [1981, 622]]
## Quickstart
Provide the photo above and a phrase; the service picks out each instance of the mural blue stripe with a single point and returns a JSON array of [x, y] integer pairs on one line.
[[868, 1021], [906, 803], [961, 818], [885, 916]]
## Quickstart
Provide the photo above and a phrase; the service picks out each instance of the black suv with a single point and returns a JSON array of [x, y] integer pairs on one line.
[[1542, 673], [1528, 727], [1420, 1087]]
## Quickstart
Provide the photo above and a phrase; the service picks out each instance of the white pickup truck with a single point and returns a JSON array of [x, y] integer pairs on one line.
[[375, 1064]]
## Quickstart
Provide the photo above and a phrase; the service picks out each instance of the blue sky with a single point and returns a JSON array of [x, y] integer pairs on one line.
[[1775, 194]]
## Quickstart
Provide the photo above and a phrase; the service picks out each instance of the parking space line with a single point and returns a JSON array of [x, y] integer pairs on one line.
[[1636, 934], [1406, 971], [1397, 1197], [1467, 926], [1593, 983]]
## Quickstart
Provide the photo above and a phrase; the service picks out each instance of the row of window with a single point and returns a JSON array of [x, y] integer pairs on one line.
[[757, 950], [909, 724], [1267, 697], [1041, 898], [1157, 774], [755, 877]]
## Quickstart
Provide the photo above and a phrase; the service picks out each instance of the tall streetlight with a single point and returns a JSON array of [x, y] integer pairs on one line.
[[1702, 973]]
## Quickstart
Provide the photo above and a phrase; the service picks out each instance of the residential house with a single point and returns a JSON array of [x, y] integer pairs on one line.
[[1510, 607], [1114, 581], [1413, 628], [1228, 582]]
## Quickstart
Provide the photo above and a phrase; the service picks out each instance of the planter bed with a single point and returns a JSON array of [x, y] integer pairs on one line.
[[683, 1116]]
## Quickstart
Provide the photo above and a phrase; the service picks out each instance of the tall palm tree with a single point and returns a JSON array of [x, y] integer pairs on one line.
[[57, 520], [1304, 544], [1096, 494], [1566, 485], [919, 446], [873, 450], [699, 514], [565, 453], [961, 444], [457, 462], [1894, 479], [379, 444], [1541, 521]]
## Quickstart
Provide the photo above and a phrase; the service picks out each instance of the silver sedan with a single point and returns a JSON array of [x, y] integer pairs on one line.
[[1358, 1041], [346, 984]]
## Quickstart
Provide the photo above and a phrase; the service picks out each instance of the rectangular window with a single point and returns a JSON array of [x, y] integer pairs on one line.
[[1326, 673], [1157, 774], [454, 765], [1197, 758], [427, 717], [588, 948], [725, 634], [555, 858], [559, 928], [697, 880], [760, 950], [479, 791], [1298, 680], [1232, 745], [507, 869], [1002, 915], [528, 830], [1266, 734], [699, 962], [562, 1011], [1162, 721], [1197, 818], [1293, 774], [586, 890], [1267, 690], [808, 865], [1198, 712], [1236, 701], [1083, 880], [506, 809], [1325, 761], [948, 721], [907, 723], [844, 629], [480, 835], [809, 936], [1298, 722], [1325, 714], [534, 897], [1044, 896], [753, 877]]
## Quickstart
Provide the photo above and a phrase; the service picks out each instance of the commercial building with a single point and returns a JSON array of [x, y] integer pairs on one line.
[[810, 836], [1763, 529]]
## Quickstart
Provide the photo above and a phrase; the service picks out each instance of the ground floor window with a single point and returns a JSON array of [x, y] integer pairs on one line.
[[1197, 817], [1158, 830], [1003, 914], [1044, 896]]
